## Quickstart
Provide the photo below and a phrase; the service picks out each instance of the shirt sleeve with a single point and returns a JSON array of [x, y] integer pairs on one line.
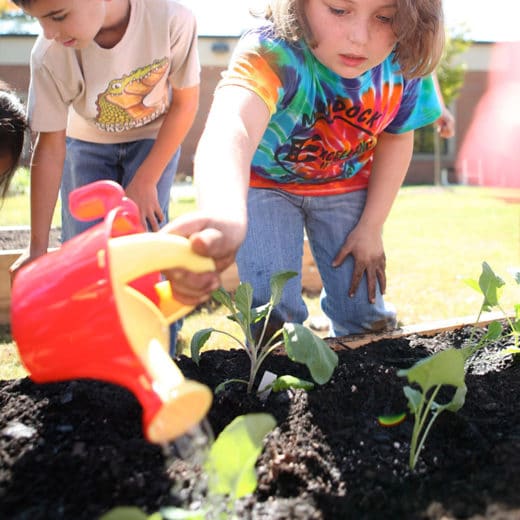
[[51, 88], [420, 106], [250, 69]]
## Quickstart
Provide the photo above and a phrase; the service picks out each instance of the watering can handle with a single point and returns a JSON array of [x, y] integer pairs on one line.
[[132, 256], [95, 200]]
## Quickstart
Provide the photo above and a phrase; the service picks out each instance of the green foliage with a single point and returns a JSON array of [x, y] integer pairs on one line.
[[450, 71], [232, 458], [230, 468], [301, 345], [443, 368], [20, 182], [448, 368], [491, 286]]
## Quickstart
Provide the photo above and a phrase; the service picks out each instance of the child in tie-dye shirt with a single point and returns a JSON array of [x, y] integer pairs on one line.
[[311, 132]]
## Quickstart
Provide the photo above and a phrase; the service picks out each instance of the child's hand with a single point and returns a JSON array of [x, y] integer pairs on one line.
[[216, 238], [446, 124], [24, 259], [145, 196], [369, 257]]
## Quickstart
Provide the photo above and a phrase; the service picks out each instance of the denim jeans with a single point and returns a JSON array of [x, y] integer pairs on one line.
[[277, 223], [87, 162]]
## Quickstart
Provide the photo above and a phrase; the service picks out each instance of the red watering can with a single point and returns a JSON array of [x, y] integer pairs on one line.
[[98, 308]]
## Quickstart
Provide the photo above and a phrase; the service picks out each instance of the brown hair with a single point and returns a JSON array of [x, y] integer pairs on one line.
[[418, 26], [22, 3], [13, 124]]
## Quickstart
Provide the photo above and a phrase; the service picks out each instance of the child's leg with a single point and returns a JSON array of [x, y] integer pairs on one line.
[[330, 220], [274, 243], [89, 162], [84, 163], [134, 154]]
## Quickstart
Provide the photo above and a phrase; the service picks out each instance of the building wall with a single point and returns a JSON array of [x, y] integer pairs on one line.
[[215, 53]]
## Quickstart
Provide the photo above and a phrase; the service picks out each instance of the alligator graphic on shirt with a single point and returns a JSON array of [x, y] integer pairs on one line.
[[123, 104]]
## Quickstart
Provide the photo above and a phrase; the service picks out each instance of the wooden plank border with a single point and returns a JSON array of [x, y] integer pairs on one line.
[[421, 329]]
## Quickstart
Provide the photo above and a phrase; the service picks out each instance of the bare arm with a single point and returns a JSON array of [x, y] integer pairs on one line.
[[46, 171], [446, 122], [177, 123], [236, 123], [391, 160]]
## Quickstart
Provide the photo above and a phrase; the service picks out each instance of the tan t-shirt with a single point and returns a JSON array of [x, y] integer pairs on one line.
[[120, 94]]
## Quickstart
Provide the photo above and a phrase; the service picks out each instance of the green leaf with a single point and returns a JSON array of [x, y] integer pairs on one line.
[[126, 513], [220, 387], [443, 368], [456, 403], [198, 340], [223, 297], [473, 284], [305, 347], [259, 313], [233, 455], [244, 301], [285, 382], [494, 331], [490, 284], [278, 282], [414, 399]]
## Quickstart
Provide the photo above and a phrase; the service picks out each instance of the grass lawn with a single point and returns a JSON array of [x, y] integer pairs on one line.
[[434, 238], [437, 237]]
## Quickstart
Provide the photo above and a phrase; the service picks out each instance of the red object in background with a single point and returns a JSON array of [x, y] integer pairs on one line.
[[489, 153]]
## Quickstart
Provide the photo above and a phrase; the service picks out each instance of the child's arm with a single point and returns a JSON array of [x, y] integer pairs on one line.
[[46, 171], [391, 160], [236, 123], [177, 122], [446, 122]]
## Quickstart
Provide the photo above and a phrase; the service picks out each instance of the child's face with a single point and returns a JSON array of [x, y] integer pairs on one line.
[[352, 36], [73, 23]]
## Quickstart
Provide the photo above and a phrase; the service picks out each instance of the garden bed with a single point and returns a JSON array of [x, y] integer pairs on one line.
[[74, 450]]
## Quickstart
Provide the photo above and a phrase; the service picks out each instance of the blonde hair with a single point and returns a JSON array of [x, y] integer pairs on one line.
[[418, 26]]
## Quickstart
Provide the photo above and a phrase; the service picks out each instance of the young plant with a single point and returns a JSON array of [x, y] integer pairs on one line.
[[300, 343], [448, 368], [230, 472], [491, 286]]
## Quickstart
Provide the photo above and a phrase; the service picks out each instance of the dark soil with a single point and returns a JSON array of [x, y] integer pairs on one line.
[[74, 450]]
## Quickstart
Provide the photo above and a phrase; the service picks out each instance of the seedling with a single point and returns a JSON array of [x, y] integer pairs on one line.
[[301, 345], [491, 286], [448, 367], [230, 472]]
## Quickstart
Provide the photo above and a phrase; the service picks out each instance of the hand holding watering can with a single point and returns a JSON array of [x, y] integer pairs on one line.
[[98, 308]]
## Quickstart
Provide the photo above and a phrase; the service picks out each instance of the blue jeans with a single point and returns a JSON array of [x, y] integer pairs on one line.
[[87, 162], [277, 222]]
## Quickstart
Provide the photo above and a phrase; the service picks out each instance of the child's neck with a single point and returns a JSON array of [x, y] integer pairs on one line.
[[116, 22]]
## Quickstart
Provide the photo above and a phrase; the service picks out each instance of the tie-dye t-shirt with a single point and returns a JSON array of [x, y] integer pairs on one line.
[[323, 128]]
